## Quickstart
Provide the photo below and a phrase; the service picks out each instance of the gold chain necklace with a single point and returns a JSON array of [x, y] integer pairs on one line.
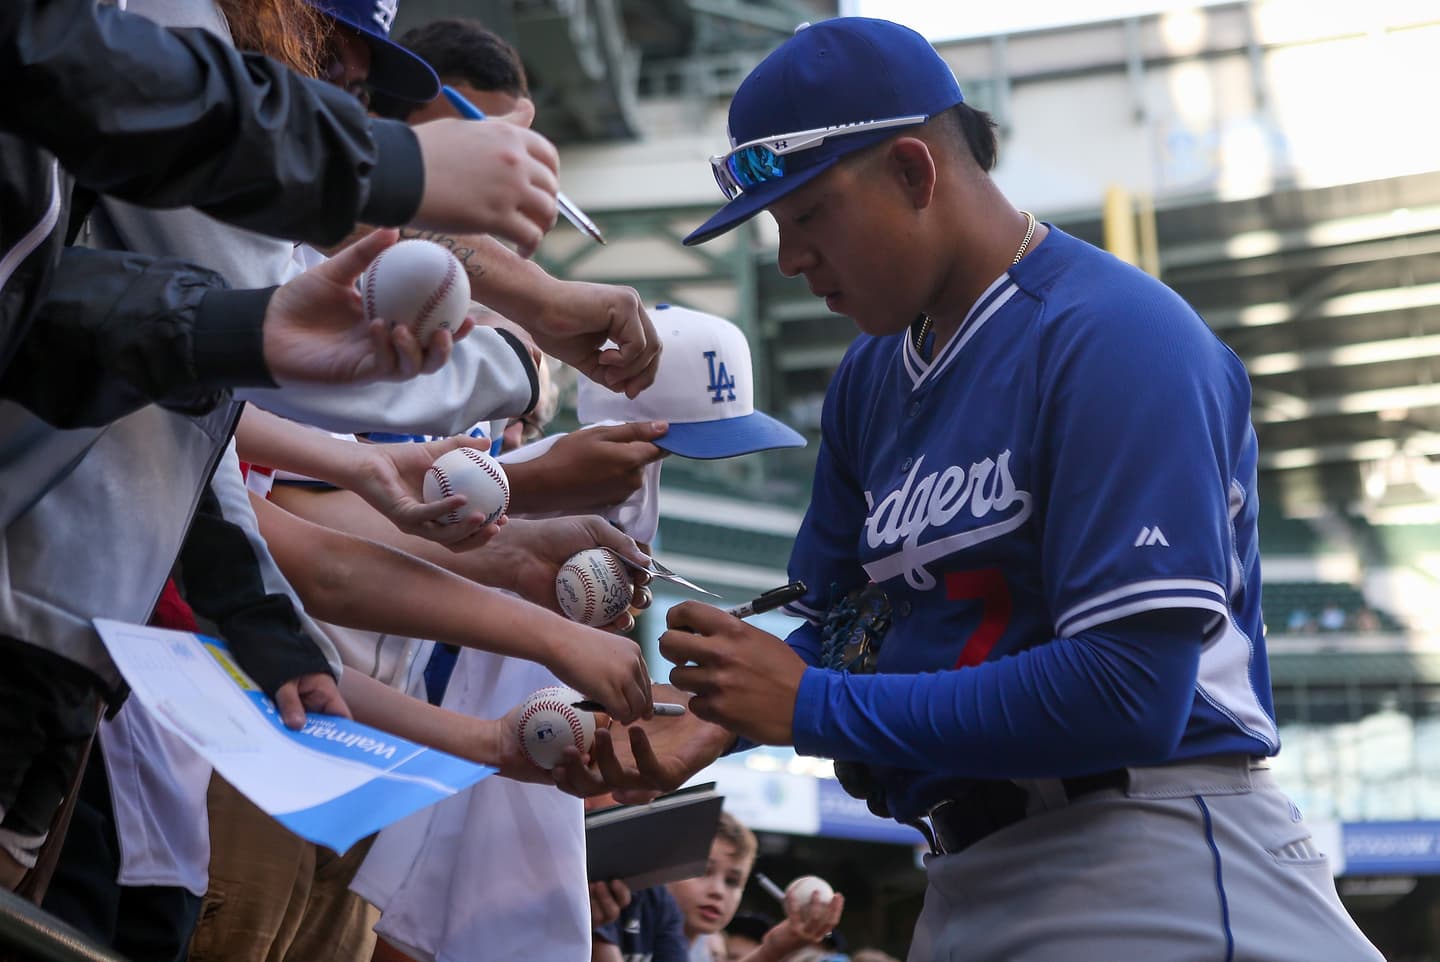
[[925, 323]]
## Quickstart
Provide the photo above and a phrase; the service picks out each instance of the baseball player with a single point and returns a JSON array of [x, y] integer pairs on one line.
[[1034, 627]]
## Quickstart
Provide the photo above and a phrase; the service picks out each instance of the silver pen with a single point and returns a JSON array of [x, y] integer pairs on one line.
[[577, 217], [567, 206], [662, 708], [769, 886]]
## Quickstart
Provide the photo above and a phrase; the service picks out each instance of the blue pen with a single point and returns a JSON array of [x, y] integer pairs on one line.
[[567, 207]]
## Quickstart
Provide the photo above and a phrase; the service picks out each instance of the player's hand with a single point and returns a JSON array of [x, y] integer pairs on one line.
[[608, 668], [315, 692], [643, 760], [488, 178], [611, 460], [576, 319], [390, 477], [805, 924], [315, 329], [528, 555], [743, 679], [607, 901]]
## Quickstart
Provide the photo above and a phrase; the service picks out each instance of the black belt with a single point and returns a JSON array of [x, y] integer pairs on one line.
[[958, 823]]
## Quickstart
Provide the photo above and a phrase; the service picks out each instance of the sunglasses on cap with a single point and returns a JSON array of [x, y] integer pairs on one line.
[[758, 161]]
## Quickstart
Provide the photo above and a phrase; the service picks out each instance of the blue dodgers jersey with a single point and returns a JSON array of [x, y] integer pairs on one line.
[[1080, 451]]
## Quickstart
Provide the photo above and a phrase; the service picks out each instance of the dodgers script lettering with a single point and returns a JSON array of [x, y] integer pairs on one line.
[[933, 501]]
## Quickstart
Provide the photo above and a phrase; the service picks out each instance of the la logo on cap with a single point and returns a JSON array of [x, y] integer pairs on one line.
[[384, 14], [722, 382], [703, 388]]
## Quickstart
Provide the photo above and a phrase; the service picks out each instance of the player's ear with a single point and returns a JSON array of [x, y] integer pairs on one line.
[[913, 164]]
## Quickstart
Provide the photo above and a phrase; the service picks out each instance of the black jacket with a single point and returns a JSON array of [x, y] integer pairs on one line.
[[165, 119]]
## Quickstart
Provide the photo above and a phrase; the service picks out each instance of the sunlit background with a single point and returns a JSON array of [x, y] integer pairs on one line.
[[1275, 162]]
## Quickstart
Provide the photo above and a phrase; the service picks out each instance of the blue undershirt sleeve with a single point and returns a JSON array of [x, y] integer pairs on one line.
[[1113, 696]]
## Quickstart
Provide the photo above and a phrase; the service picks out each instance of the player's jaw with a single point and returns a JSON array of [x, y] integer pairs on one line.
[[846, 240]]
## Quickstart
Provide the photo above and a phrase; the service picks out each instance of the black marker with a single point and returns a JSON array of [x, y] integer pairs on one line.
[[770, 600]]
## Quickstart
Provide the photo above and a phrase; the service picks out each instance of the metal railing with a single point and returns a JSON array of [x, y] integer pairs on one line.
[[30, 934]]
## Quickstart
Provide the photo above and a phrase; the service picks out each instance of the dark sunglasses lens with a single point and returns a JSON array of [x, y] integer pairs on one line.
[[728, 187], [755, 165]]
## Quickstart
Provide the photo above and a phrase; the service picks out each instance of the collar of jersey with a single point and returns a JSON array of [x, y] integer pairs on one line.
[[920, 370]]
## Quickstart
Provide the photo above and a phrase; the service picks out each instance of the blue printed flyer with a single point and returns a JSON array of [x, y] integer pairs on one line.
[[333, 782]]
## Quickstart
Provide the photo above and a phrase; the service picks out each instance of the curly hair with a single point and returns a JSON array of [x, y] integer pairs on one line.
[[290, 31]]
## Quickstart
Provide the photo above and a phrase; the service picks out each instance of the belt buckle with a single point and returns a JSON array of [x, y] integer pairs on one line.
[[925, 825]]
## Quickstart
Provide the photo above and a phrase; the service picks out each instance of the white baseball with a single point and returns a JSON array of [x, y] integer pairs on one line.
[[419, 284], [549, 721], [800, 891], [593, 587], [473, 473]]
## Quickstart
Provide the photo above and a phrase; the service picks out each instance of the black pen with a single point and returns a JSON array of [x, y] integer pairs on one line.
[[770, 600]]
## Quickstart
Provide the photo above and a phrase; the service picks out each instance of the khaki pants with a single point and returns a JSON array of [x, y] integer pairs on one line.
[[274, 896]]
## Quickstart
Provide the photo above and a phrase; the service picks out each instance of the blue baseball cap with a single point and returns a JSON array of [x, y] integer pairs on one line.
[[393, 69], [839, 73]]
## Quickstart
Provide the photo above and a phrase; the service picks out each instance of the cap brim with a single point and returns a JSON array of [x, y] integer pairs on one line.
[[393, 69], [753, 201], [728, 438]]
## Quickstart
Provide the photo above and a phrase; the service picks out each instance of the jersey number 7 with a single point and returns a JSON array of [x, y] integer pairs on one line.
[[986, 585]]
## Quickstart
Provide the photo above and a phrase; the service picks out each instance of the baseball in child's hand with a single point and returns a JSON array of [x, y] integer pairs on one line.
[[799, 893]]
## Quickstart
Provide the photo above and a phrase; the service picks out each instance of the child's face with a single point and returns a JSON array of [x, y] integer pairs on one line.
[[709, 902]]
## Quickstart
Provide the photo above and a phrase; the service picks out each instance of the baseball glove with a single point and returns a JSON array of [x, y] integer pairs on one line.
[[850, 638]]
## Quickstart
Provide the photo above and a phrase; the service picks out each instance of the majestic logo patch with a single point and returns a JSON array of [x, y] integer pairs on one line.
[[722, 382], [1151, 536], [934, 500]]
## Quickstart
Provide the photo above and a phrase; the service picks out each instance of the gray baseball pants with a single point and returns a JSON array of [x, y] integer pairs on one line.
[[1202, 862]]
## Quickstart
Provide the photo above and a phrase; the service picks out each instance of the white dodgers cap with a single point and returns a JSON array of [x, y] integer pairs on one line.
[[704, 388]]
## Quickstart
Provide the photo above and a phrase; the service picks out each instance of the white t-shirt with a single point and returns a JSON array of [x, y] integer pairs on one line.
[[495, 873]]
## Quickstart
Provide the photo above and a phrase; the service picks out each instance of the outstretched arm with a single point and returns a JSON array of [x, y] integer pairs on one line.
[[338, 576], [524, 557], [1132, 682], [390, 477], [488, 741], [570, 320]]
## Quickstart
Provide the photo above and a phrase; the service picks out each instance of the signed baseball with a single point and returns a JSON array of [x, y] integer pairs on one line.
[[593, 587], [800, 891], [419, 284], [549, 721], [473, 473]]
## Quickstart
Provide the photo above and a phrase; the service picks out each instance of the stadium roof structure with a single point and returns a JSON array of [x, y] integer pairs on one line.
[[589, 60]]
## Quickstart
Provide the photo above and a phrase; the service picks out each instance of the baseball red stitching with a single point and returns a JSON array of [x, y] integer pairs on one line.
[[479, 458], [436, 296], [370, 311], [443, 479], [616, 569], [589, 612], [577, 730]]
